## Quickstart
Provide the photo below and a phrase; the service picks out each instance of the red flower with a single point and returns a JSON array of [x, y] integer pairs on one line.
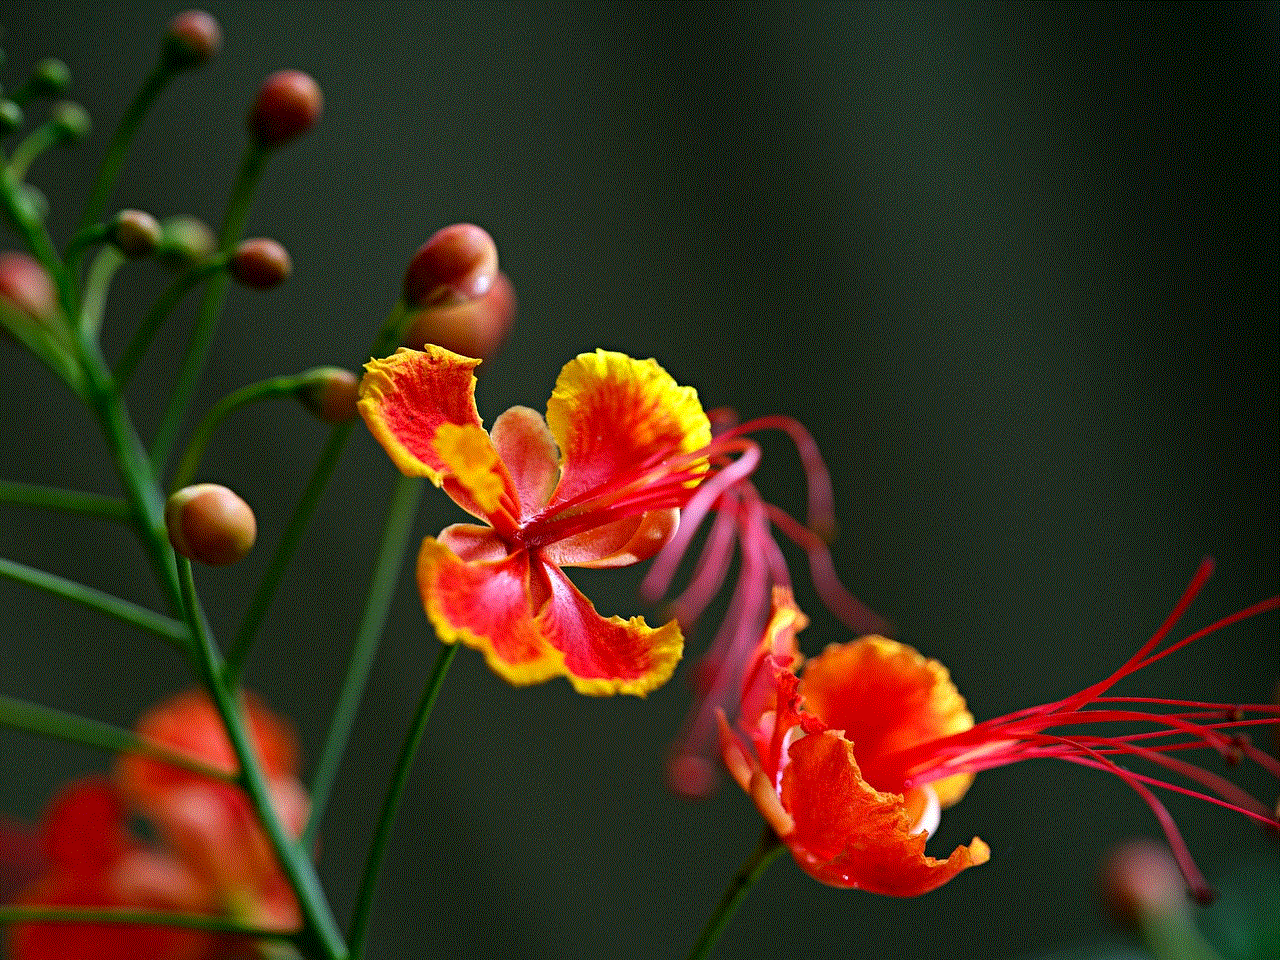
[[852, 762], [210, 857]]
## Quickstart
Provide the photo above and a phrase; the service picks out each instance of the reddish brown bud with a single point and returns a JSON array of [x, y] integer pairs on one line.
[[193, 39], [457, 264], [288, 105], [186, 241], [331, 394], [25, 287], [136, 233], [1141, 879], [210, 524], [261, 264], [476, 328]]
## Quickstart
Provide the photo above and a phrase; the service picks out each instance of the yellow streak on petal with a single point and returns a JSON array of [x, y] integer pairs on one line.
[[473, 462]]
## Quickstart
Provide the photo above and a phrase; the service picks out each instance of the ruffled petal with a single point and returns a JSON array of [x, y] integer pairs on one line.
[[486, 604], [405, 399], [526, 446], [617, 544], [848, 834], [602, 656], [914, 702], [611, 414]]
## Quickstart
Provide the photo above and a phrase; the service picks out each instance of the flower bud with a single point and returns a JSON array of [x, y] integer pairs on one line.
[[330, 394], [1141, 879], [51, 78], [70, 122], [10, 117], [193, 39], [136, 233], [457, 264], [186, 241], [32, 201], [261, 264], [476, 328], [288, 105], [210, 524], [25, 287]]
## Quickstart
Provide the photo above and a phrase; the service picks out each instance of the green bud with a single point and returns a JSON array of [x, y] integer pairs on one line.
[[10, 117], [51, 78], [70, 121]]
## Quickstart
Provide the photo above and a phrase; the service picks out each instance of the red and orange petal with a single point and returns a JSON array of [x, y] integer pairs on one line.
[[189, 724], [610, 414], [532, 624], [848, 834], [407, 397], [886, 697]]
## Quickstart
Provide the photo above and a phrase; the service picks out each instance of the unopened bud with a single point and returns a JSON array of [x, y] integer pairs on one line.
[[288, 105], [458, 263], [261, 264], [136, 233], [210, 524], [1140, 879], [476, 328], [32, 201], [70, 122], [186, 241], [10, 117], [330, 394], [51, 78], [193, 39], [25, 287]]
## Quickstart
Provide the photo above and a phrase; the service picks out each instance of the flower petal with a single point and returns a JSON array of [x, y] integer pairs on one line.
[[915, 702], [526, 446], [405, 399], [611, 414], [602, 656], [848, 834], [617, 544], [486, 604]]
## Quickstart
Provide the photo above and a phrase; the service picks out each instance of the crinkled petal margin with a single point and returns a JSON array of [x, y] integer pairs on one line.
[[848, 834], [490, 605], [406, 398], [610, 414]]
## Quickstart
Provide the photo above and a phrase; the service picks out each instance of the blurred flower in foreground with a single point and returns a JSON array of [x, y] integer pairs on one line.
[[851, 762], [210, 856]]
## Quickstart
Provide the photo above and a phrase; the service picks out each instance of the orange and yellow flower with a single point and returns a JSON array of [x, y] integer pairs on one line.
[[852, 761], [210, 856]]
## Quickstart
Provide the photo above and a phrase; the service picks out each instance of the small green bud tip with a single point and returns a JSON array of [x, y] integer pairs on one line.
[[32, 201], [10, 117], [25, 288], [192, 40], [136, 233], [457, 264], [288, 105], [330, 393], [210, 524], [186, 241], [261, 264], [70, 122], [51, 78]]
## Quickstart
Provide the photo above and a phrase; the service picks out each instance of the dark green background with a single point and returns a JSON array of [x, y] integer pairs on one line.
[[1014, 266]]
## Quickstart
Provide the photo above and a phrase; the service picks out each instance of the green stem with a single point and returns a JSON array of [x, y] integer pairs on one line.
[[1171, 934], [36, 237], [68, 501], [94, 299], [113, 160], [386, 571], [764, 854], [296, 865], [33, 718], [37, 142], [157, 315], [215, 293], [285, 549], [395, 790], [86, 238], [172, 630], [153, 918], [264, 389]]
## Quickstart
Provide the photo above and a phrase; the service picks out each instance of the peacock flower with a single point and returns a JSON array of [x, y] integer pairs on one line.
[[209, 857], [852, 761]]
